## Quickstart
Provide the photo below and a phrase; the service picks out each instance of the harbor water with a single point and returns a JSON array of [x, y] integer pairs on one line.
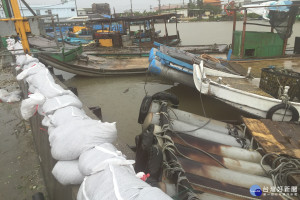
[[120, 97]]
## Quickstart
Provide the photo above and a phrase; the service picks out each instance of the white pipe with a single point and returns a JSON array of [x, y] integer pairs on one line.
[[196, 120], [153, 118], [226, 176]]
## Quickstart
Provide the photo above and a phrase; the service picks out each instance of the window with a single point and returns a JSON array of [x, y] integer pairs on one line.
[[49, 12], [72, 9]]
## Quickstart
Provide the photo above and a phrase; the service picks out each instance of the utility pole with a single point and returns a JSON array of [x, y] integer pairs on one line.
[[159, 6], [131, 8]]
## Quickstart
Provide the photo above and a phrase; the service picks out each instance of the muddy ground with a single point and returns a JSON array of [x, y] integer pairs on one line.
[[20, 172]]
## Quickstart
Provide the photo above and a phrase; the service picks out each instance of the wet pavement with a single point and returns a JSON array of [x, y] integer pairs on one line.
[[20, 173]]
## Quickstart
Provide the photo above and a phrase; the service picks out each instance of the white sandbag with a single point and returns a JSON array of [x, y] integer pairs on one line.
[[150, 193], [59, 102], [30, 59], [17, 47], [67, 172], [44, 82], [32, 89], [14, 96], [67, 114], [30, 65], [10, 42], [114, 183], [29, 106], [10, 97], [46, 121], [34, 69], [89, 160], [20, 59], [70, 140], [4, 95]]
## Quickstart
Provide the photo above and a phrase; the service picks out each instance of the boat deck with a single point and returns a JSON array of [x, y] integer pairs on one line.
[[277, 137], [247, 85], [112, 63], [241, 66]]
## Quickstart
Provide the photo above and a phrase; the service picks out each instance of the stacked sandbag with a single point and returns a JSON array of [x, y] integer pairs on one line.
[[81, 145]]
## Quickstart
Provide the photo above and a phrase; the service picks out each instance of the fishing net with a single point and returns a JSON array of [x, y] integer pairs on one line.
[[283, 22]]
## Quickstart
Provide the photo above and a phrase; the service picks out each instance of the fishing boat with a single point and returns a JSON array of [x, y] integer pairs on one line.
[[74, 60], [222, 82], [193, 157], [243, 94]]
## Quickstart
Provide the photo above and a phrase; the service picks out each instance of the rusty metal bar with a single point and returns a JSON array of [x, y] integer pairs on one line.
[[233, 29], [243, 35]]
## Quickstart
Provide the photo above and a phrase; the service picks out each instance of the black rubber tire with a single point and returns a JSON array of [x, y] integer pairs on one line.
[[144, 109], [164, 96], [295, 113]]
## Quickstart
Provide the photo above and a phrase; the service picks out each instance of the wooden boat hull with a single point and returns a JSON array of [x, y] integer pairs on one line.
[[85, 71]]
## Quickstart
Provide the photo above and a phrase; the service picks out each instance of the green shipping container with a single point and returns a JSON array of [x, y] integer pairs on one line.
[[258, 44]]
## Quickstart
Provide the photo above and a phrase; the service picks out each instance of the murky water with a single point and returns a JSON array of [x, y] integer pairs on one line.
[[120, 97]]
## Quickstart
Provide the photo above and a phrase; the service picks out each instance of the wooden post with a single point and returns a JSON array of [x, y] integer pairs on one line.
[[243, 35], [102, 26], [233, 29], [176, 24], [129, 27], [140, 34], [166, 30], [152, 30], [289, 26], [110, 23], [272, 30]]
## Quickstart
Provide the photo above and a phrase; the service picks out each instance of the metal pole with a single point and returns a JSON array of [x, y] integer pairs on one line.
[[243, 35], [20, 26], [54, 31], [233, 29], [6, 8], [289, 26], [61, 35], [29, 8]]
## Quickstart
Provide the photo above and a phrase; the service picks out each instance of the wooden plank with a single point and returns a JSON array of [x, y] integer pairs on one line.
[[277, 137]]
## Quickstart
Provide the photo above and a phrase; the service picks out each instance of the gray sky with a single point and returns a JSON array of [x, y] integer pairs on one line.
[[120, 5]]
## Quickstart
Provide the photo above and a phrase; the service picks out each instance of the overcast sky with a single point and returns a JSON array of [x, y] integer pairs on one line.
[[120, 5]]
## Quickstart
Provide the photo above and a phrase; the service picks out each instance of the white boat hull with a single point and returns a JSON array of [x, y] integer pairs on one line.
[[251, 103]]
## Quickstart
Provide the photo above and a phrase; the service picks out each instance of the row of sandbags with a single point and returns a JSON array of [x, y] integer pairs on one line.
[[81, 145]]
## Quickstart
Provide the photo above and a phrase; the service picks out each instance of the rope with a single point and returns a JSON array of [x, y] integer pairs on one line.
[[282, 168]]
